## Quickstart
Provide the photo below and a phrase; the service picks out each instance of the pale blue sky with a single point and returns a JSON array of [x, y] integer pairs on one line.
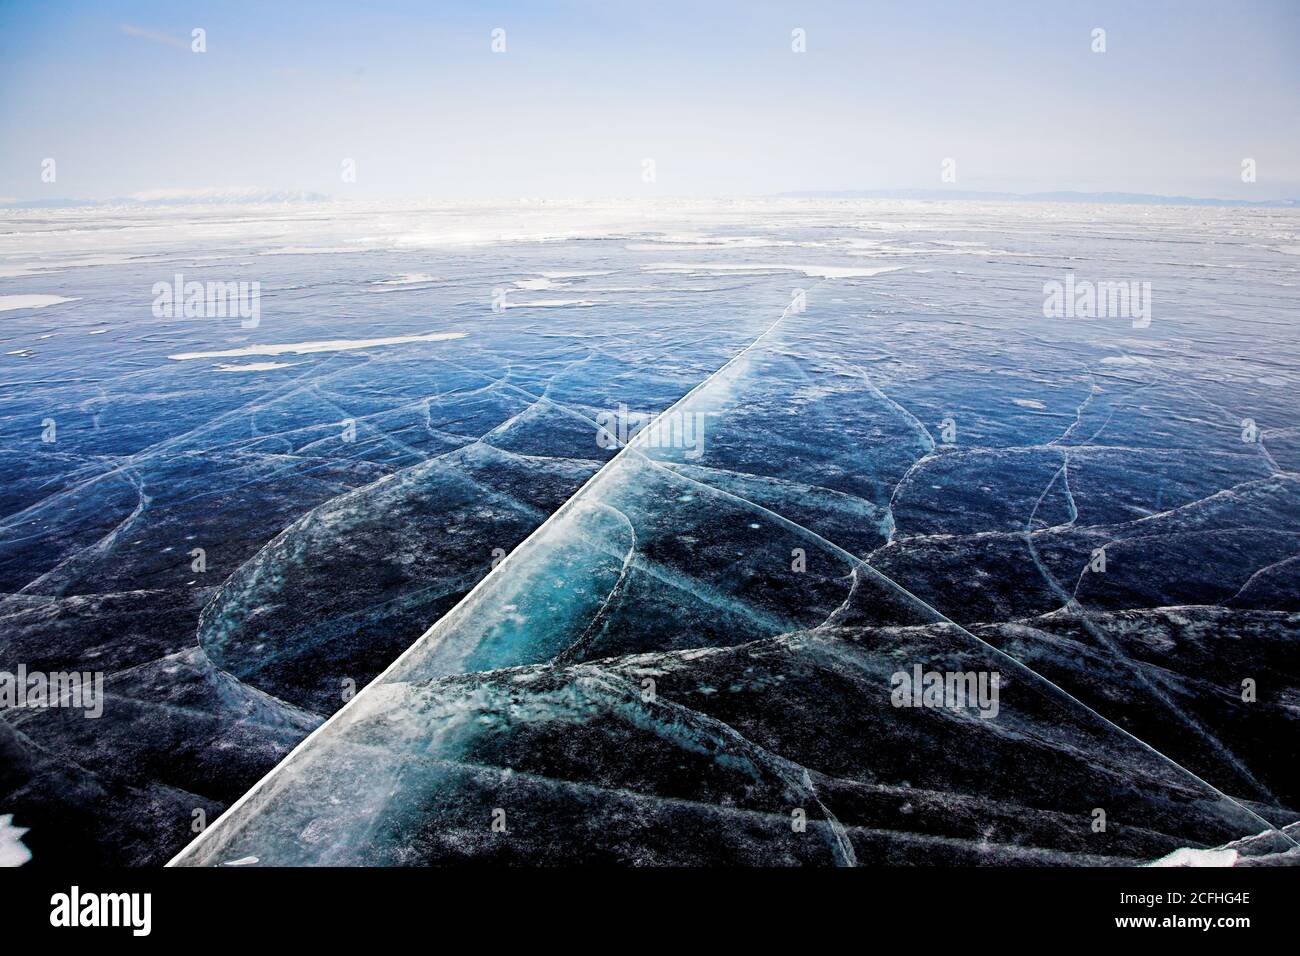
[[711, 91]]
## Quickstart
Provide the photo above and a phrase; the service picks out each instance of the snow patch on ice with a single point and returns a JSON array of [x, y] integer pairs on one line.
[[1191, 857], [307, 348], [408, 278], [254, 366], [812, 271], [11, 302], [12, 851], [549, 303]]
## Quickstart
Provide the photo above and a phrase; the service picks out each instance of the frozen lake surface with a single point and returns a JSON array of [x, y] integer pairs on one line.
[[883, 450]]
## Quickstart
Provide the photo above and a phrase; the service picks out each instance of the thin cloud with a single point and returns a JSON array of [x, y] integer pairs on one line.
[[155, 36]]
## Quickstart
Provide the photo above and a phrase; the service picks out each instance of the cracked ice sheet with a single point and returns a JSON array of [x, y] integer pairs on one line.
[[458, 449], [1208, 516], [945, 337], [632, 561], [796, 720], [1215, 516]]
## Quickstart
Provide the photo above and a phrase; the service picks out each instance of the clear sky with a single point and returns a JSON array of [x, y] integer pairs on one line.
[[711, 91]]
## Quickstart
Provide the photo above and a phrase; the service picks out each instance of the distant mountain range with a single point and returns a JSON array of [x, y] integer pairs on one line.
[[245, 196], [1147, 199], [176, 197]]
